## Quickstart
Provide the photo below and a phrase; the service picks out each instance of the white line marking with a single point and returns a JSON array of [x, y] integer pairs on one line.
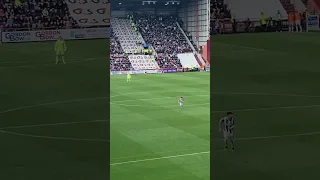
[[12, 62], [52, 64], [245, 138], [51, 103], [266, 109], [153, 159], [74, 100], [271, 137], [166, 97], [237, 51], [241, 46], [136, 105], [52, 124], [55, 138], [267, 94], [163, 152], [279, 136]]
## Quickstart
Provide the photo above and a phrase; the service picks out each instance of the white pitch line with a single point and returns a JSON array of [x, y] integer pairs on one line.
[[241, 46], [267, 94], [52, 124], [51, 103], [72, 101], [279, 136], [262, 94], [166, 97], [271, 137], [52, 64], [137, 105], [266, 109], [164, 152], [54, 138], [245, 138], [159, 158]]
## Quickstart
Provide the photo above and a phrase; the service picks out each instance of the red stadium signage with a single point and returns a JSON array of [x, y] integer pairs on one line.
[[90, 12]]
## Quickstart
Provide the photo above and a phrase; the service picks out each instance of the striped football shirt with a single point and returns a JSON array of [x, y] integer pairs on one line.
[[228, 124]]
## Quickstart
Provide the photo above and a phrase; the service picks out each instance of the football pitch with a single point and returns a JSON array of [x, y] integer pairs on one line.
[[152, 138], [54, 118], [271, 82]]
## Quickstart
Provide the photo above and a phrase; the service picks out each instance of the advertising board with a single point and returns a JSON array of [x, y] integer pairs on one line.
[[313, 22], [47, 35]]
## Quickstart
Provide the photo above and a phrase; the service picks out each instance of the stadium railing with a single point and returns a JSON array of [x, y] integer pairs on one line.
[[227, 25], [312, 23]]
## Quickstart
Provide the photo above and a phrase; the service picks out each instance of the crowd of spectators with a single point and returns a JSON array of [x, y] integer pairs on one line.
[[168, 61], [163, 33], [159, 31], [118, 59], [35, 14], [219, 10]]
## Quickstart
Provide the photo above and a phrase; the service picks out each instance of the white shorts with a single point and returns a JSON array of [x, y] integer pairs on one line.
[[181, 104], [227, 135], [297, 22]]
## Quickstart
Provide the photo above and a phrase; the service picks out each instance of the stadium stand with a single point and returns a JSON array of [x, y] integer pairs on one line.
[[33, 14], [288, 6], [219, 10], [162, 33], [118, 60]]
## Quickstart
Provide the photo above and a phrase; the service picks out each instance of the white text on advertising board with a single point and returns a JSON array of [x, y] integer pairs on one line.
[[47, 35], [17, 36]]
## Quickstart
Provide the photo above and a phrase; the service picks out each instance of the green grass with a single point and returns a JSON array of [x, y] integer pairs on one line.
[[29, 77], [284, 69], [151, 137]]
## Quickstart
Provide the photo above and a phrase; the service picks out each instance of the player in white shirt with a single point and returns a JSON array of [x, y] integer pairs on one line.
[[227, 125], [181, 101]]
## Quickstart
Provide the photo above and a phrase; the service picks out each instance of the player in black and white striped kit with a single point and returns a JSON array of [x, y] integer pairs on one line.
[[227, 124]]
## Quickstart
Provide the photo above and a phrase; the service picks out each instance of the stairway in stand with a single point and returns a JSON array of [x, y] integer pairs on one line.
[[288, 6]]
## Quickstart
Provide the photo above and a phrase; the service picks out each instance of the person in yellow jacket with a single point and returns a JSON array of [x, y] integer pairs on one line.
[[60, 48], [263, 22]]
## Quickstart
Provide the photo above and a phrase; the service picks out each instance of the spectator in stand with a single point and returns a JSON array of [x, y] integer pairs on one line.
[[163, 33], [35, 14], [118, 59], [218, 26], [219, 10]]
